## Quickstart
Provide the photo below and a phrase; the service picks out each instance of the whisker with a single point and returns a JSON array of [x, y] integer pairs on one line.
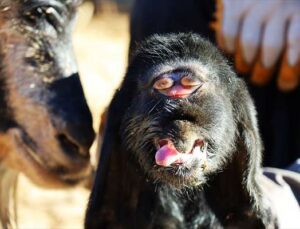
[[155, 105]]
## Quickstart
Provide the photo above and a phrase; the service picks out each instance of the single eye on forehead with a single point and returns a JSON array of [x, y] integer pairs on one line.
[[163, 83]]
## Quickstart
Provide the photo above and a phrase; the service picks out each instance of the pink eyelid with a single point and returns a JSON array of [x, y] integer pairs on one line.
[[188, 81], [167, 82], [163, 83]]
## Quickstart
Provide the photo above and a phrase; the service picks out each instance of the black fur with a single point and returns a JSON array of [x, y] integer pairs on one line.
[[278, 117], [131, 191]]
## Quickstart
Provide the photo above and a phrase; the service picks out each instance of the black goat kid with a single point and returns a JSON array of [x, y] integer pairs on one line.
[[181, 147]]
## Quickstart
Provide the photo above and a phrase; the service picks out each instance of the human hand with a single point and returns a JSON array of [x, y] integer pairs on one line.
[[261, 34]]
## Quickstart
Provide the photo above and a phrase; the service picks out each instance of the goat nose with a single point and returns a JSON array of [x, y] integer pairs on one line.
[[76, 138], [71, 115]]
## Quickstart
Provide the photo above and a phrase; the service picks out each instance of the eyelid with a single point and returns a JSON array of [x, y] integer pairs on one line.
[[162, 83], [54, 15], [190, 81], [59, 8], [52, 12]]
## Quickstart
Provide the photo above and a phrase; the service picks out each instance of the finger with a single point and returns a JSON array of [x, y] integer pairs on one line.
[[288, 78], [252, 28], [232, 13], [217, 24], [273, 38], [240, 64], [290, 67], [261, 75], [293, 40]]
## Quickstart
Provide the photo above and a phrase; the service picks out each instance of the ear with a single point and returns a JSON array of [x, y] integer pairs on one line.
[[113, 170], [246, 116], [250, 150]]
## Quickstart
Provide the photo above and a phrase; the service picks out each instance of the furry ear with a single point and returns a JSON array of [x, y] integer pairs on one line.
[[241, 194], [245, 113], [250, 151]]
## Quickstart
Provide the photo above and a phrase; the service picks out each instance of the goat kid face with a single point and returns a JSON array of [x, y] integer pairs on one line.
[[181, 124], [46, 126]]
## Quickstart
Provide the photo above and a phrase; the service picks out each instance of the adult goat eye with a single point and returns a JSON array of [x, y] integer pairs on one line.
[[45, 16], [53, 18], [163, 83]]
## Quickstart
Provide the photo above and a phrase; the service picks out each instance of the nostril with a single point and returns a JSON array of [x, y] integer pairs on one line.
[[76, 134], [70, 114], [71, 147]]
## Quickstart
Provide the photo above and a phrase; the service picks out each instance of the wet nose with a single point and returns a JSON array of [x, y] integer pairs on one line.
[[71, 115]]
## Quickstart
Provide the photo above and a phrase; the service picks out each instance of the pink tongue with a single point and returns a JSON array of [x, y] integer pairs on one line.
[[168, 155]]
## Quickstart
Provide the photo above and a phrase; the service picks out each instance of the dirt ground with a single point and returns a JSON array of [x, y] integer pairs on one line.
[[101, 46]]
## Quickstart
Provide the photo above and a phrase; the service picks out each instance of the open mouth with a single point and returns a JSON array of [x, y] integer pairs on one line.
[[167, 154]]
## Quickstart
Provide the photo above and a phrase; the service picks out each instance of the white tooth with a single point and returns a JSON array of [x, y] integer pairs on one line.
[[185, 157], [196, 150], [199, 153]]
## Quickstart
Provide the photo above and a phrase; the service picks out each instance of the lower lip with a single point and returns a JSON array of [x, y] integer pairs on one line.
[[179, 96]]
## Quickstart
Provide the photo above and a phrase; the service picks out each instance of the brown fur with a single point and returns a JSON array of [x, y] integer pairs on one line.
[[45, 128]]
